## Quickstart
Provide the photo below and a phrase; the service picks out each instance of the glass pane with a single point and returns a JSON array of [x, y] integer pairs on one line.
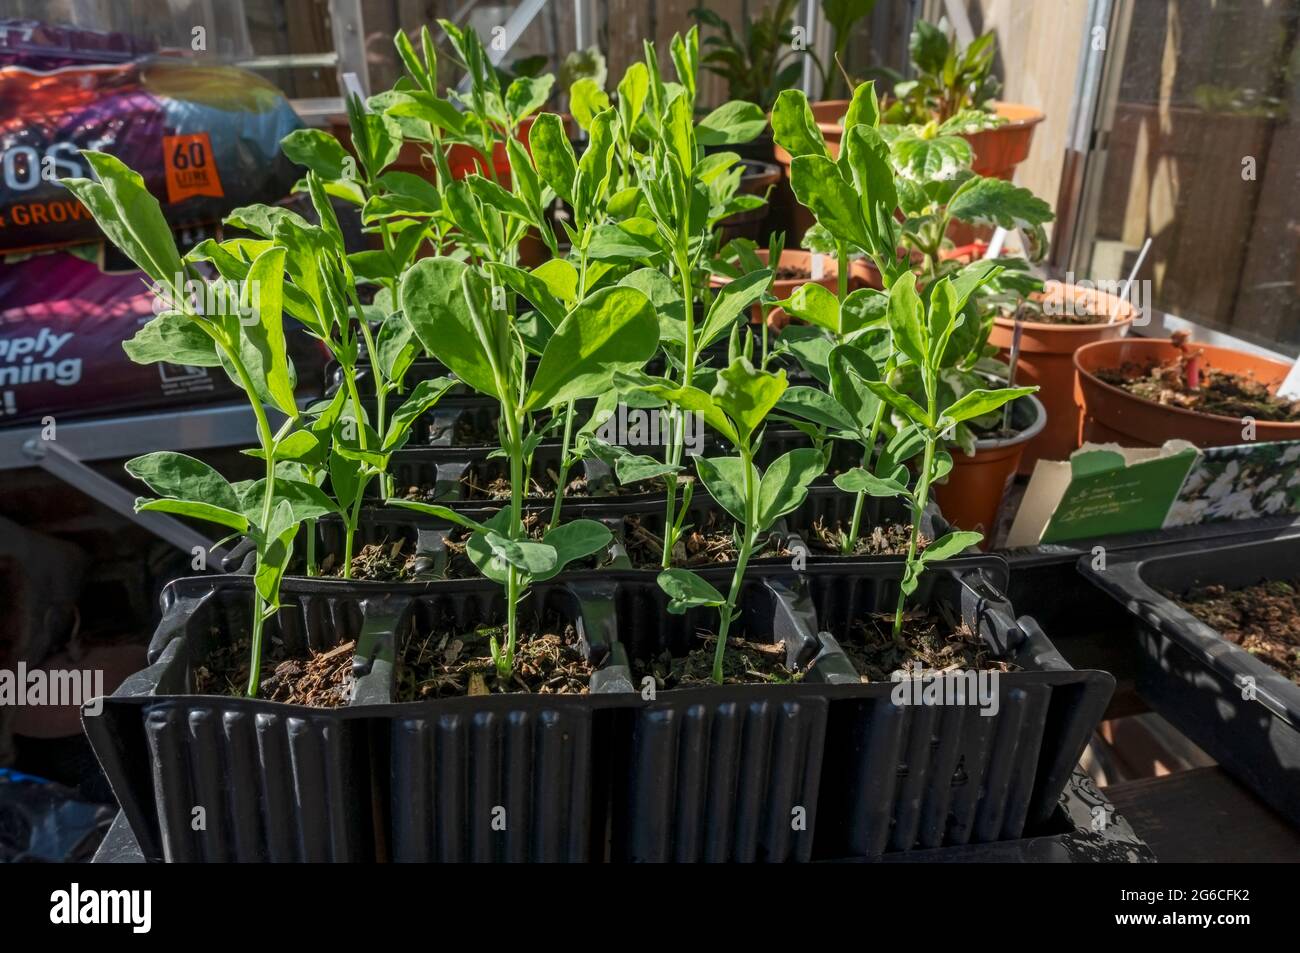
[[1202, 158]]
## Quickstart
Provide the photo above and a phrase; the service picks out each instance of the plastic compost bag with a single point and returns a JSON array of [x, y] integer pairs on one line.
[[62, 324], [206, 139]]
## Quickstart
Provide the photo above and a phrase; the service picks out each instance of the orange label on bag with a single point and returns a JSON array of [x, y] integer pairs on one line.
[[190, 167]]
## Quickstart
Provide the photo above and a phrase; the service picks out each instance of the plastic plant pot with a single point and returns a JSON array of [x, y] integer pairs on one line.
[[1112, 414], [1047, 360], [1244, 713], [758, 179], [972, 495], [999, 150]]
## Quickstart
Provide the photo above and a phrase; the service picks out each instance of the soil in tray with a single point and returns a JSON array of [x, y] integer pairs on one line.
[[708, 544], [389, 561], [888, 540], [926, 638], [743, 663], [1263, 619], [1218, 392], [467, 430], [447, 664], [322, 680]]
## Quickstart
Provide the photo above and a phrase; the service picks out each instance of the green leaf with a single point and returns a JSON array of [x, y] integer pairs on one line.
[[526, 556], [900, 402], [785, 484], [612, 330], [620, 242], [864, 107], [928, 47], [174, 338], [746, 395], [793, 126], [686, 590], [694, 400], [731, 123], [724, 478], [816, 304], [317, 150], [183, 477], [441, 512], [526, 94], [534, 289], [574, 540], [949, 544], [905, 314], [553, 154], [423, 396], [586, 99], [866, 155], [976, 403], [817, 184], [859, 480], [561, 278], [299, 446], [814, 404], [923, 159], [195, 510], [264, 294], [998, 202], [130, 217], [434, 301], [735, 298], [850, 367]]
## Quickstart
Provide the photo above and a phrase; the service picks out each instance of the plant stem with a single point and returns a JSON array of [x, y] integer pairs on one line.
[[738, 577], [678, 424], [564, 465], [268, 499], [918, 507], [506, 663], [311, 547], [842, 271]]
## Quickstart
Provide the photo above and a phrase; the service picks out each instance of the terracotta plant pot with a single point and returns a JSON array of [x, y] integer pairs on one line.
[[999, 150], [1047, 360], [973, 494], [860, 274], [1113, 415]]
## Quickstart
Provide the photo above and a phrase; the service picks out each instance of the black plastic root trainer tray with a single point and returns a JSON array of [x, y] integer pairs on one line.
[[1242, 712], [900, 777], [425, 537], [283, 782], [450, 474]]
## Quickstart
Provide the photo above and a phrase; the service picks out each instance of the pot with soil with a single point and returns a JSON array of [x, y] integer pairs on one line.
[[1141, 392], [796, 269], [972, 497], [1056, 323], [1219, 631]]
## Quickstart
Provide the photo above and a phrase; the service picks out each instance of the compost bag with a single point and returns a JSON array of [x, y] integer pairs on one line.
[[206, 139], [62, 324]]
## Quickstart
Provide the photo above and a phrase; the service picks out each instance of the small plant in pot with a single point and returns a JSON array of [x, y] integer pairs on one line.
[[953, 93]]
